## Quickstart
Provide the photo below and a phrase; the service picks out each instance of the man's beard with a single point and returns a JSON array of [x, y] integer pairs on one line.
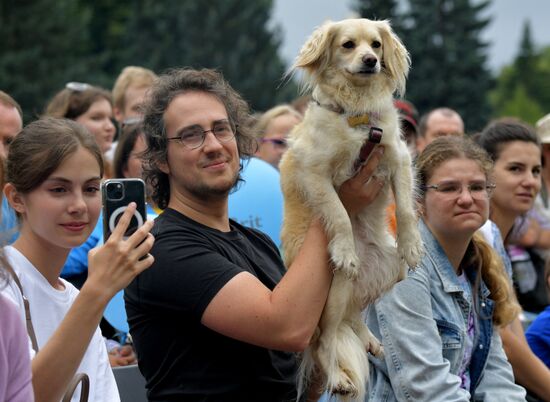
[[206, 192]]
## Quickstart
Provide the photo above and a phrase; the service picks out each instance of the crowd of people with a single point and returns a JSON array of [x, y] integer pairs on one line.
[[214, 314]]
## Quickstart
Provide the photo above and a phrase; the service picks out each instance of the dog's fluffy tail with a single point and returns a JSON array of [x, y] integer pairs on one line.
[[347, 368]]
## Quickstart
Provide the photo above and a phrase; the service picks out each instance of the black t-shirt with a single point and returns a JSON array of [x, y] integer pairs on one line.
[[181, 359]]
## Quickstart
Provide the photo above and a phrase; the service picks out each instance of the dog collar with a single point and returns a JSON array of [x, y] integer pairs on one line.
[[375, 133], [353, 121]]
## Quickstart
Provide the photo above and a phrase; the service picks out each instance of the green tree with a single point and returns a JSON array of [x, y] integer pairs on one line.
[[523, 88], [377, 10], [43, 46], [449, 58], [230, 35]]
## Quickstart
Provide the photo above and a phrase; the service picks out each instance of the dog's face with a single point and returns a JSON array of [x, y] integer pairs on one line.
[[355, 50]]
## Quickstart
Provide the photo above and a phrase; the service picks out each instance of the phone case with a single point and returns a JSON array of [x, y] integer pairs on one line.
[[116, 195]]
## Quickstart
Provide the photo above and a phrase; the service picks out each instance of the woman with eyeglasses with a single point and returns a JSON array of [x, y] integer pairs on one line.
[[516, 152], [439, 326], [272, 129]]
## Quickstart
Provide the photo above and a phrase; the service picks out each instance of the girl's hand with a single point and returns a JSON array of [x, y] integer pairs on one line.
[[115, 264], [362, 189]]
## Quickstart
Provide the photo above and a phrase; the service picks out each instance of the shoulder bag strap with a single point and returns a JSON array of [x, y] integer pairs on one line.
[[79, 378], [30, 328]]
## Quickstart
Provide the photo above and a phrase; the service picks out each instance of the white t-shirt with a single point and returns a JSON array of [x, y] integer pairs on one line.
[[48, 307]]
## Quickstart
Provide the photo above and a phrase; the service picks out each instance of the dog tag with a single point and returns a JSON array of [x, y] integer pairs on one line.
[[354, 121]]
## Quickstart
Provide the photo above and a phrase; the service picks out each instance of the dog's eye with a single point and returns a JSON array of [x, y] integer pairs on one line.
[[349, 44], [376, 44]]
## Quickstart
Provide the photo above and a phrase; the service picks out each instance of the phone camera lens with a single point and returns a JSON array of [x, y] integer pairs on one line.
[[115, 191]]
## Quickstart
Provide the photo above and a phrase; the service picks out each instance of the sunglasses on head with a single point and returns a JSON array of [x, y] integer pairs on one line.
[[77, 86]]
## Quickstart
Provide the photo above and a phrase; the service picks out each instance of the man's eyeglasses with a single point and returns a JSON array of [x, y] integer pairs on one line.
[[478, 190], [193, 137], [278, 142]]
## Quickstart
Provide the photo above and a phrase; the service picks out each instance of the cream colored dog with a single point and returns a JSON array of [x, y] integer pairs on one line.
[[353, 68]]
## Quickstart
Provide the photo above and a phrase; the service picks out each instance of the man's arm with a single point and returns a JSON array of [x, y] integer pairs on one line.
[[287, 317]]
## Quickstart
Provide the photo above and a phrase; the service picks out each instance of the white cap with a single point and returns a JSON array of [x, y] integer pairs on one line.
[[543, 129]]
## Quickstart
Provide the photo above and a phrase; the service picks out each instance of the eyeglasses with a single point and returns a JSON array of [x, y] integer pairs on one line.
[[478, 190], [77, 86], [193, 137], [278, 142]]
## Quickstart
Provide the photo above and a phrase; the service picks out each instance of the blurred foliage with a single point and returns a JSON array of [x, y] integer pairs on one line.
[[46, 43], [448, 56], [523, 88], [380, 10]]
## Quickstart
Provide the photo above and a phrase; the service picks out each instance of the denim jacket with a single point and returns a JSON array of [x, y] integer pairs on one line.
[[422, 323]]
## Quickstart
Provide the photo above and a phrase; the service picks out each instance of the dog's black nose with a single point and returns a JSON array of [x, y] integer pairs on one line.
[[369, 61]]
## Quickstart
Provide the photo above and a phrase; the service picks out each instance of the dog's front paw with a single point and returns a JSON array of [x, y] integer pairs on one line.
[[371, 342], [410, 248], [344, 258], [344, 386]]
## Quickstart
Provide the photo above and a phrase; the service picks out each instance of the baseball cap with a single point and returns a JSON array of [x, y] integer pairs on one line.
[[543, 129], [408, 112]]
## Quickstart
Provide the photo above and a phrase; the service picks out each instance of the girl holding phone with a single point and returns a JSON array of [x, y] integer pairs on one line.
[[54, 170]]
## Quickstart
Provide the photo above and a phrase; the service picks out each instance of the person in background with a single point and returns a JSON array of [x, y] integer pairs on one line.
[[128, 94], [128, 162], [438, 123], [53, 175], [439, 326], [218, 316], [409, 123], [516, 153], [11, 123], [537, 232], [529, 247], [90, 106], [272, 129], [15, 370]]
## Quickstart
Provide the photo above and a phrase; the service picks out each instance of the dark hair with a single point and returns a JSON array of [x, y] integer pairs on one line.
[[70, 103], [165, 89], [39, 149], [480, 254], [501, 131], [130, 134]]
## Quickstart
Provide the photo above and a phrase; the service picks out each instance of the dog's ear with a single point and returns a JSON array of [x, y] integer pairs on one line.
[[314, 54], [396, 58]]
